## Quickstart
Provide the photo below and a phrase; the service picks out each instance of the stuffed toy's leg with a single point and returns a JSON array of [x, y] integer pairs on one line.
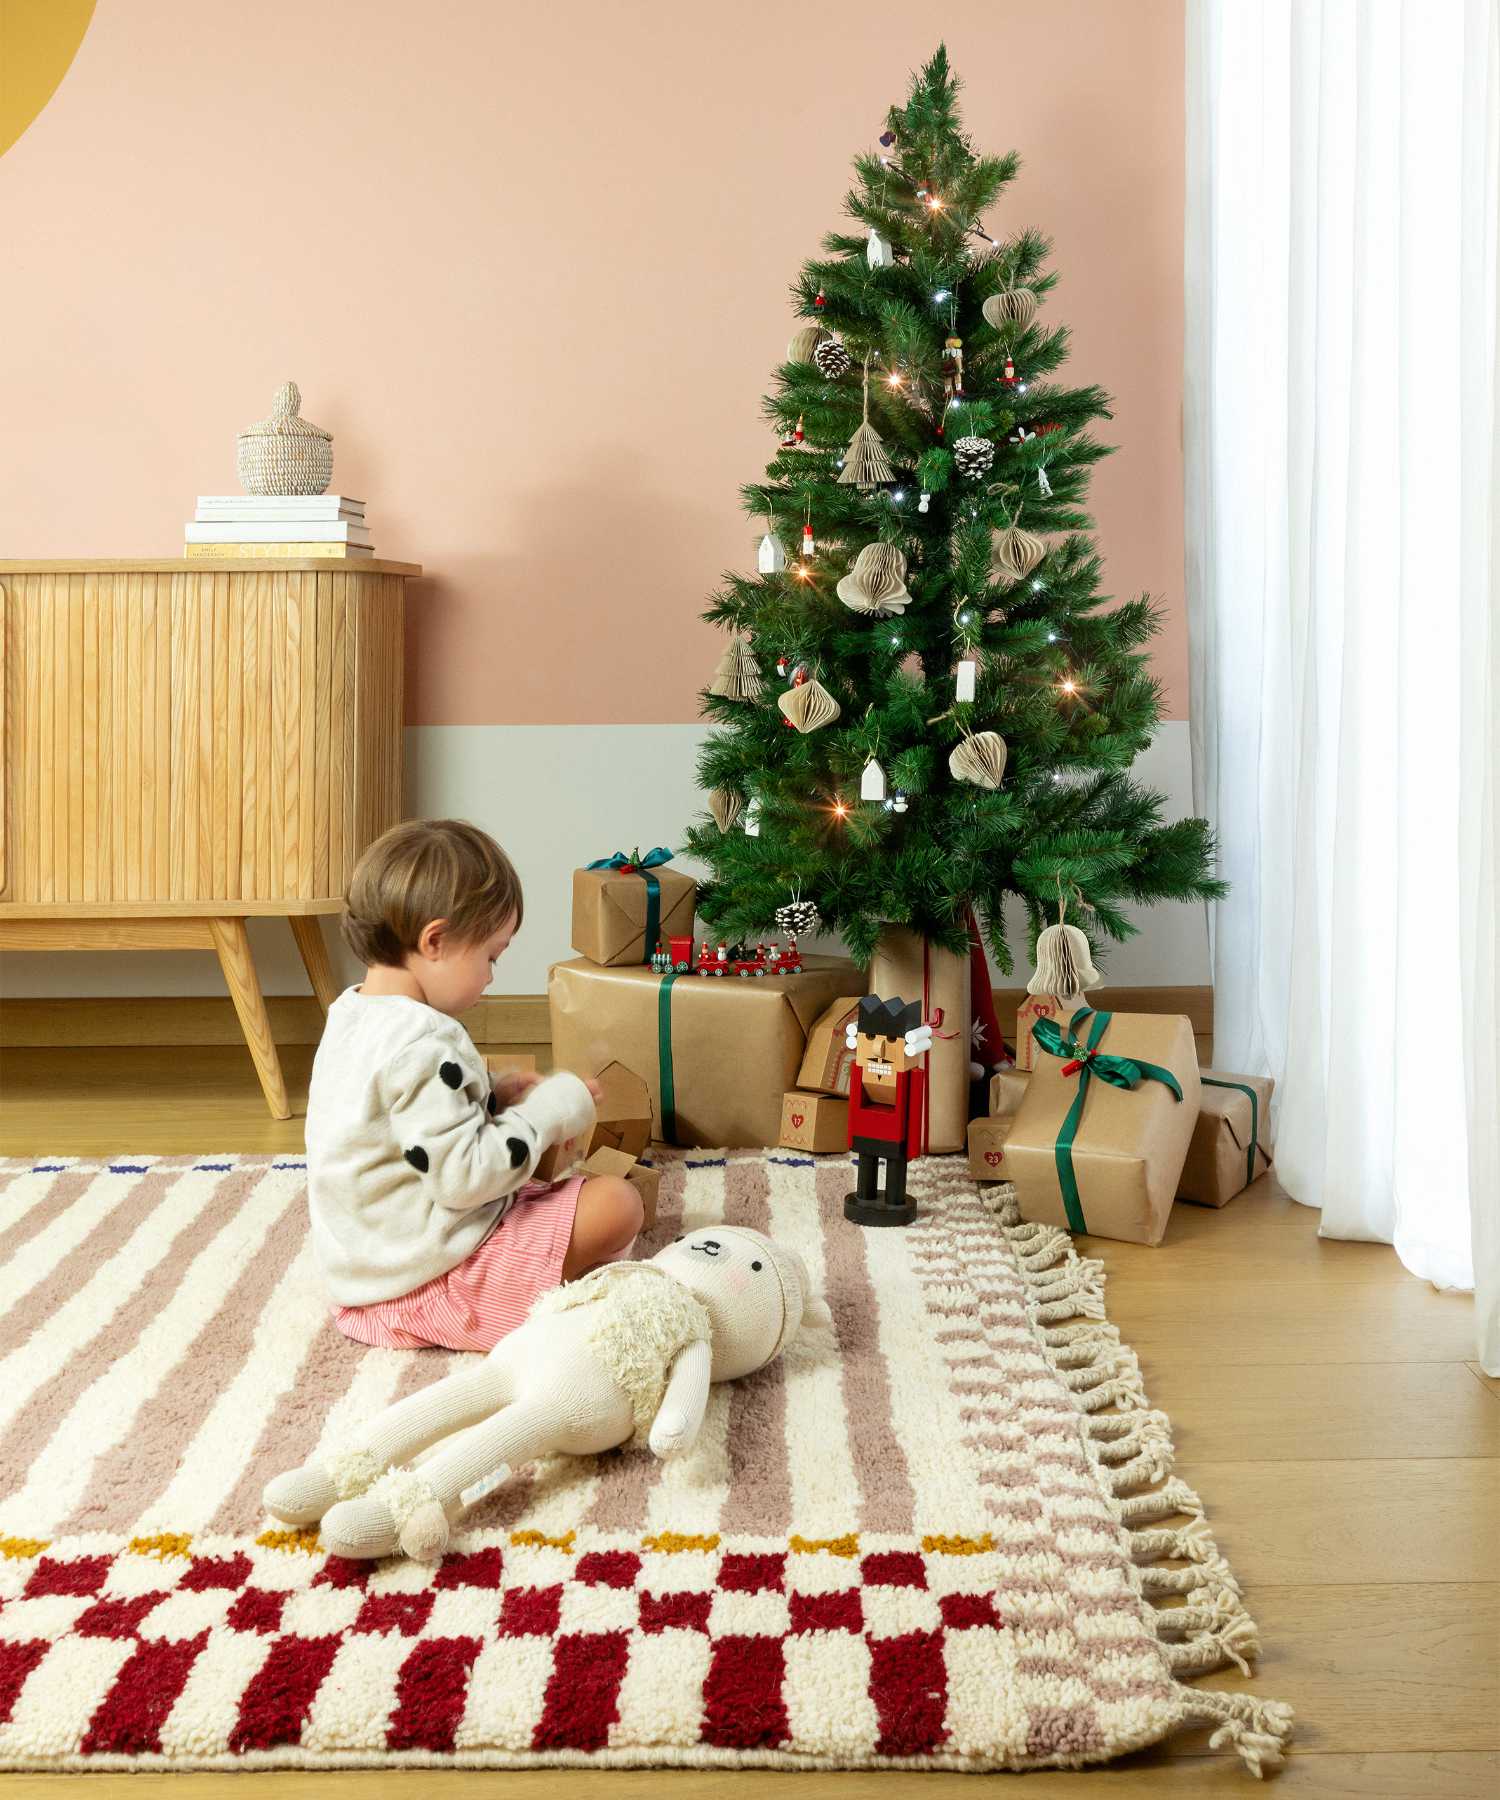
[[412, 1507], [302, 1496]]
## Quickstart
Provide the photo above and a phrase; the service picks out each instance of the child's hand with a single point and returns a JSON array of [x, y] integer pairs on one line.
[[594, 1087], [512, 1084]]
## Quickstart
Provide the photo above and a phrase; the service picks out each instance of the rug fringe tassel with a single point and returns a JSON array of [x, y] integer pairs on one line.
[[1257, 1729], [1132, 1446]]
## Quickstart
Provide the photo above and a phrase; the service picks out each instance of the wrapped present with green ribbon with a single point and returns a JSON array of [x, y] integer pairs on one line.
[[1098, 1141], [1231, 1144], [627, 902], [717, 1055]]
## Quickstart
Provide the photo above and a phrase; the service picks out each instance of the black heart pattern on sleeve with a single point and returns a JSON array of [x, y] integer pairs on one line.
[[417, 1157], [517, 1149], [493, 1103], [452, 1074]]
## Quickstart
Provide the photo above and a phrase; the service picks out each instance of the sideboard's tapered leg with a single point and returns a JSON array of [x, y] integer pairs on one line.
[[233, 945], [315, 959]]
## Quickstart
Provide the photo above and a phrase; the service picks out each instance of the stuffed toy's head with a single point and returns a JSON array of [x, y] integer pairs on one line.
[[756, 1293]]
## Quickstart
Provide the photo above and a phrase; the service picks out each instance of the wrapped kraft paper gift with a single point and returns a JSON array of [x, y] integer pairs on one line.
[[718, 1056], [623, 903], [828, 1061], [645, 1179], [1032, 1008], [909, 967], [987, 1136], [1098, 1142], [1231, 1143], [817, 1123], [622, 1125]]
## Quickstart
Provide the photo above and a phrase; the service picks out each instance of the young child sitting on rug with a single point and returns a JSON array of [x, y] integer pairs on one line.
[[425, 1219]]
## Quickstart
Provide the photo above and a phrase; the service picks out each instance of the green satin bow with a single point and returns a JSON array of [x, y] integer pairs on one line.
[[1088, 1061]]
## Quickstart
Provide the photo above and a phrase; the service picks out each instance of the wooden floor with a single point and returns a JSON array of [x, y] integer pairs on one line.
[[1324, 1404]]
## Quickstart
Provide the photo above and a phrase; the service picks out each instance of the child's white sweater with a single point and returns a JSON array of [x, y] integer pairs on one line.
[[409, 1164]]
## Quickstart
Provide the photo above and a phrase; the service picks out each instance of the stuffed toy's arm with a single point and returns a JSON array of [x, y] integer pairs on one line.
[[680, 1415]]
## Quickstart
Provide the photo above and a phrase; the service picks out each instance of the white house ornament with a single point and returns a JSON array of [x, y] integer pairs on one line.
[[872, 782], [771, 555], [878, 252]]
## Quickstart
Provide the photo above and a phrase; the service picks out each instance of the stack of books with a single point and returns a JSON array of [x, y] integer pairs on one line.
[[236, 525]]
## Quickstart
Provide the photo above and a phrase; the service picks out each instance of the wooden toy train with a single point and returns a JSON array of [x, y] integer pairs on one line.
[[676, 957]]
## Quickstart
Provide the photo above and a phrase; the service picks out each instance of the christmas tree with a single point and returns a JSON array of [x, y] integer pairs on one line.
[[927, 704]]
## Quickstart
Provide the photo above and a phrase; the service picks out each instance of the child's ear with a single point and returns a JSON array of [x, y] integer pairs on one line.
[[432, 939]]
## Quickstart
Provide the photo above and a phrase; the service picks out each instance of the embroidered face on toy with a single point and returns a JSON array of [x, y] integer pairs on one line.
[[755, 1291]]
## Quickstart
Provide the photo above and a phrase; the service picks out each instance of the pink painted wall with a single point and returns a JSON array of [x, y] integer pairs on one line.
[[529, 265]]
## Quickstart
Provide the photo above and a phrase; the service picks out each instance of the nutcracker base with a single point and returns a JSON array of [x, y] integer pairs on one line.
[[876, 1212]]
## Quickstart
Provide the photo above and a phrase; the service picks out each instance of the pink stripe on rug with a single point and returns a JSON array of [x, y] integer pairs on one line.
[[760, 1476], [138, 1470], [886, 1500]]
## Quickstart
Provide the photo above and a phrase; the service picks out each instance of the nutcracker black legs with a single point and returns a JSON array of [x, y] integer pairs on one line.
[[867, 1205]]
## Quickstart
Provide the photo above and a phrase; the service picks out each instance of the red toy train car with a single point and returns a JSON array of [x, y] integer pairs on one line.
[[747, 961]]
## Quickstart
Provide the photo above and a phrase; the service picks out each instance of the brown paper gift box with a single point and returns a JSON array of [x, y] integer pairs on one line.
[[645, 1179], [829, 1062], [1032, 1008], [734, 1047], [1007, 1090], [987, 1148], [609, 913], [1218, 1162], [906, 966], [622, 1122], [1130, 1144], [816, 1123]]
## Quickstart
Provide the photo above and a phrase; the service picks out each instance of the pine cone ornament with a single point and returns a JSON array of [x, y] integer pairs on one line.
[[799, 916], [972, 456], [832, 359]]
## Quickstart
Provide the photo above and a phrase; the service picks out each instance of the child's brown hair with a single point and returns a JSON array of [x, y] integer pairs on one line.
[[425, 869]]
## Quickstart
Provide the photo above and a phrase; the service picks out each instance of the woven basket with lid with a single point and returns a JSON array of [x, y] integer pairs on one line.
[[285, 453]]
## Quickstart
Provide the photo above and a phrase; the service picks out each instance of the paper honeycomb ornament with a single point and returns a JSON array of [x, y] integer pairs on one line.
[[809, 707], [979, 759], [805, 340], [726, 807], [876, 584], [1011, 306], [1017, 552]]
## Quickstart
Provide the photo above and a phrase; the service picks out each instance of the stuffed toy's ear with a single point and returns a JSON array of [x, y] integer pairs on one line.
[[816, 1312]]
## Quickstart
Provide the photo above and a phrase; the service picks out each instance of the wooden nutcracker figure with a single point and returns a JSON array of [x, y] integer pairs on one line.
[[887, 1091]]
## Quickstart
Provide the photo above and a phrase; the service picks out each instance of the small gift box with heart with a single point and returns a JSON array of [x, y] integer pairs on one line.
[[1101, 1134], [816, 1123], [624, 904], [987, 1135]]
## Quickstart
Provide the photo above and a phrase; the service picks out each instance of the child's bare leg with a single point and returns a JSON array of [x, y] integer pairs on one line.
[[605, 1225], [302, 1496]]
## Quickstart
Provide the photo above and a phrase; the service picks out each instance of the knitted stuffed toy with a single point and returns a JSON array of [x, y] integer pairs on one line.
[[624, 1356]]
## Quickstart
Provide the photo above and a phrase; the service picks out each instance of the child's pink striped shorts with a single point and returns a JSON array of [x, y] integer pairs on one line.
[[474, 1305]]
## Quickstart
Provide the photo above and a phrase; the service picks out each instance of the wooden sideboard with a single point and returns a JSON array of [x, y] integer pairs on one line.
[[188, 744]]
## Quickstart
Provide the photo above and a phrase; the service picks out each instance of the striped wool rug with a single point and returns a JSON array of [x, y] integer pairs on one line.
[[922, 1539]]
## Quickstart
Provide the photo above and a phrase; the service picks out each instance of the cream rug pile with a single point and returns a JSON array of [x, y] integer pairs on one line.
[[925, 1538]]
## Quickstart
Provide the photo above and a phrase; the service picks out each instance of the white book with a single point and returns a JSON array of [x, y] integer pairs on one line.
[[279, 506], [276, 531]]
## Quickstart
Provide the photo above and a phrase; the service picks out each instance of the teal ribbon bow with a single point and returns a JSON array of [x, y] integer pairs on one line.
[[637, 864], [1088, 1061]]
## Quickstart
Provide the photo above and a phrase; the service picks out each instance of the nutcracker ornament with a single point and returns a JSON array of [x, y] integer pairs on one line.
[[953, 368], [887, 1092]]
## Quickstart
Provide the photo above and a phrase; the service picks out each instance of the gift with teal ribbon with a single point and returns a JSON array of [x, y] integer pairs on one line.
[[616, 922], [1231, 1141], [1087, 1131]]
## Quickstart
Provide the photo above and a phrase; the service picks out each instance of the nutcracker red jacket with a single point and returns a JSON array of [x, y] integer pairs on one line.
[[875, 1126]]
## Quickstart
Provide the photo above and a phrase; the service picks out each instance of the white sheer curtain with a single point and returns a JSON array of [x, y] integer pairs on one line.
[[1342, 456]]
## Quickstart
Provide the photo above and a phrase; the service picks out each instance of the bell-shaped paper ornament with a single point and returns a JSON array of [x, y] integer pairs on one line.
[[1064, 963], [805, 340], [979, 759], [1011, 307], [770, 555], [808, 707], [738, 674], [878, 252], [872, 782], [876, 583], [1017, 552], [726, 807]]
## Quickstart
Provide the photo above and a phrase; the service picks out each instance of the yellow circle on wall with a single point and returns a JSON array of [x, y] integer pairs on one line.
[[38, 40]]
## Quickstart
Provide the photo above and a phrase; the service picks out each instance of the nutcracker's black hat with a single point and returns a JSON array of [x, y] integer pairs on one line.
[[888, 1018]]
